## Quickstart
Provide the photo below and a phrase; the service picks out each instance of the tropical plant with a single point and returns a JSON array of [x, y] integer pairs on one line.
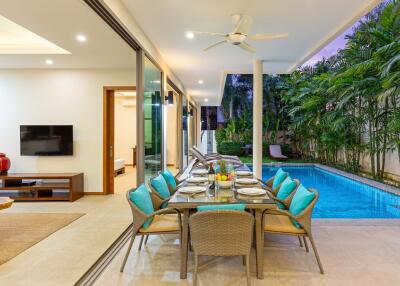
[[341, 109]]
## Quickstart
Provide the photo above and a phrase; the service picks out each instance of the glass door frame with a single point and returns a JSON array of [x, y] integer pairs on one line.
[[141, 56], [180, 96], [193, 124]]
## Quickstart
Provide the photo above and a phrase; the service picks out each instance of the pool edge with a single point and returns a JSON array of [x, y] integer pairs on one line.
[[357, 178]]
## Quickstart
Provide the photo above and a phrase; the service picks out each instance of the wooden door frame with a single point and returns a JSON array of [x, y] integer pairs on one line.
[[108, 135]]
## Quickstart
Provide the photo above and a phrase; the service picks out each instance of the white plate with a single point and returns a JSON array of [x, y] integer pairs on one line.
[[244, 173], [251, 191], [197, 180], [192, 189], [246, 181], [200, 172]]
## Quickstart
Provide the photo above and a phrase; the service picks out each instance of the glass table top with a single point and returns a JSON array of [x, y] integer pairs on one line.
[[218, 196]]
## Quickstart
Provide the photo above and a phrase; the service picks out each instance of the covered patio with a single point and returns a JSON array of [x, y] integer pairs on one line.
[[258, 203]]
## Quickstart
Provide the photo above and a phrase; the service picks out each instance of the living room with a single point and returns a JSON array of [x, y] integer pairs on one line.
[[53, 74]]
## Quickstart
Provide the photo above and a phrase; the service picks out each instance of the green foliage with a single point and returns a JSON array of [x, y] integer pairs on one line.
[[220, 135], [230, 148], [338, 110]]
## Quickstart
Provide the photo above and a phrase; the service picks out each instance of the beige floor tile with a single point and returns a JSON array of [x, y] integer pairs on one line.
[[352, 253], [64, 256]]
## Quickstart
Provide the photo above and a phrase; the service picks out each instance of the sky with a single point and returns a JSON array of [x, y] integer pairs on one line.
[[330, 49], [333, 47]]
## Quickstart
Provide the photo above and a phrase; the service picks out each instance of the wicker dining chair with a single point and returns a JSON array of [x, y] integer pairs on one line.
[[268, 183], [285, 202], [221, 233], [280, 222], [165, 221]]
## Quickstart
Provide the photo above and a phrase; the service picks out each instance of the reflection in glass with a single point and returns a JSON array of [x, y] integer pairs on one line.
[[185, 143], [152, 119]]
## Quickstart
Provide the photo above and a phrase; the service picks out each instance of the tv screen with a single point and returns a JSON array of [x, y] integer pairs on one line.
[[46, 140]]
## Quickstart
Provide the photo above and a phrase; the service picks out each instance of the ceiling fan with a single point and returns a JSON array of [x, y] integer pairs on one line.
[[240, 34]]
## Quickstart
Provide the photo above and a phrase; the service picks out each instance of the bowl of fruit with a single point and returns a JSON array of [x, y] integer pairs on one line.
[[224, 175]]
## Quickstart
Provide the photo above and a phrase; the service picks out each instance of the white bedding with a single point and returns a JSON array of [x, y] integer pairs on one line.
[[118, 164]]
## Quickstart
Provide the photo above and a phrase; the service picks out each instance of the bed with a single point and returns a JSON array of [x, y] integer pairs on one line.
[[119, 167]]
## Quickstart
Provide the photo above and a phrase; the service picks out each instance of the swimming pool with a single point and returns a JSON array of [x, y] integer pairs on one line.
[[341, 197]]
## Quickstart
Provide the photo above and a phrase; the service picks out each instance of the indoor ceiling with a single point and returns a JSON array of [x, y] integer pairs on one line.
[[15, 39], [311, 25], [60, 22]]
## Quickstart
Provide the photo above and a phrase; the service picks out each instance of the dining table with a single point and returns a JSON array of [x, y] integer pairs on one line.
[[187, 204]]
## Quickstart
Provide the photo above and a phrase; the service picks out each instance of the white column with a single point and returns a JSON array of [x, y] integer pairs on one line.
[[257, 118]]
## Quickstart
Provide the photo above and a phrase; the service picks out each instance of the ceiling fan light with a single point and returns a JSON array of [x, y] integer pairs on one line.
[[237, 38]]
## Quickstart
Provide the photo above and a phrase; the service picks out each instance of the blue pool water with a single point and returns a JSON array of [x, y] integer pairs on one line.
[[341, 197]]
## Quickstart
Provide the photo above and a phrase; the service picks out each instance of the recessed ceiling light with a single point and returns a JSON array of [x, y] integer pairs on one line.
[[205, 99], [201, 81], [81, 38], [189, 35], [49, 62]]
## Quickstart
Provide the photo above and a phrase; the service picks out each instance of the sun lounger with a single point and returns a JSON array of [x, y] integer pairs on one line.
[[275, 152]]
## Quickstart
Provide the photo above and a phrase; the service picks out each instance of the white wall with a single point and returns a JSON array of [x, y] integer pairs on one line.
[[392, 164], [58, 97], [124, 129]]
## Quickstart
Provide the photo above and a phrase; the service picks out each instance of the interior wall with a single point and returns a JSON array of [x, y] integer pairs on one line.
[[58, 96], [124, 128], [171, 132]]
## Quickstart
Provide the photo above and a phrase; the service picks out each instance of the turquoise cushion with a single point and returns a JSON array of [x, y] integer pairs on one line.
[[169, 178], [278, 178], [286, 189], [236, 207], [141, 198], [160, 186], [301, 199]]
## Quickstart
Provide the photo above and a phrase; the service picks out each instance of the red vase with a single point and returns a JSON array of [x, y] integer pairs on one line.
[[5, 164]]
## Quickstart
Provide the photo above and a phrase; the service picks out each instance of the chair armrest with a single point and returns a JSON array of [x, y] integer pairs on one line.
[[260, 181], [275, 198], [269, 182], [282, 212], [163, 211], [167, 211], [279, 212]]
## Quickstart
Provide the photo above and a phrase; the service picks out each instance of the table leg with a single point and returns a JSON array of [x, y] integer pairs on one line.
[[184, 244], [259, 244]]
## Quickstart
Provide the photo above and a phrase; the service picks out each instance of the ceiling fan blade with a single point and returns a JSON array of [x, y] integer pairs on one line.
[[243, 25], [209, 33], [245, 46], [214, 45], [271, 36]]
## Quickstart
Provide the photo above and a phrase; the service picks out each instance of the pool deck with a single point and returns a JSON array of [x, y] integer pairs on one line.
[[369, 182]]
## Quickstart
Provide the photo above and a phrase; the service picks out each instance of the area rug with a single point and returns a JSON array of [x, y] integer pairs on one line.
[[20, 231]]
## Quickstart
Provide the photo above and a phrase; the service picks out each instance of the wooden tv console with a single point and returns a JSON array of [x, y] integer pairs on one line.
[[42, 186]]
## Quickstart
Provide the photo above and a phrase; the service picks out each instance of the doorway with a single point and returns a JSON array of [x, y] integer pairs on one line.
[[119, 138]]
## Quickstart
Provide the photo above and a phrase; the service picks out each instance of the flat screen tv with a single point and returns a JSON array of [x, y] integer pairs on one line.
[[46, 140]]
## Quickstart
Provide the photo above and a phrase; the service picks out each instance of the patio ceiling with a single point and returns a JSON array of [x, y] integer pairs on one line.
[[311, 25]]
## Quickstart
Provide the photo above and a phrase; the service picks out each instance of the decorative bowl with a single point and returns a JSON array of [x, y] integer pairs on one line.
[[225, 184]]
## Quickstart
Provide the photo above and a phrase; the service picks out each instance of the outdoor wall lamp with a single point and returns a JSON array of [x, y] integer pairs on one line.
[[169, 99]]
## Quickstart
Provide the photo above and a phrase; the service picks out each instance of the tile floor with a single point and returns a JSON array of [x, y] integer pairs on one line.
[[64, 256], [353, 253]]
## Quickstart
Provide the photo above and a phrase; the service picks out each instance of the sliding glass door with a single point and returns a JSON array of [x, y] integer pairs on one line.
[[152, 119]]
